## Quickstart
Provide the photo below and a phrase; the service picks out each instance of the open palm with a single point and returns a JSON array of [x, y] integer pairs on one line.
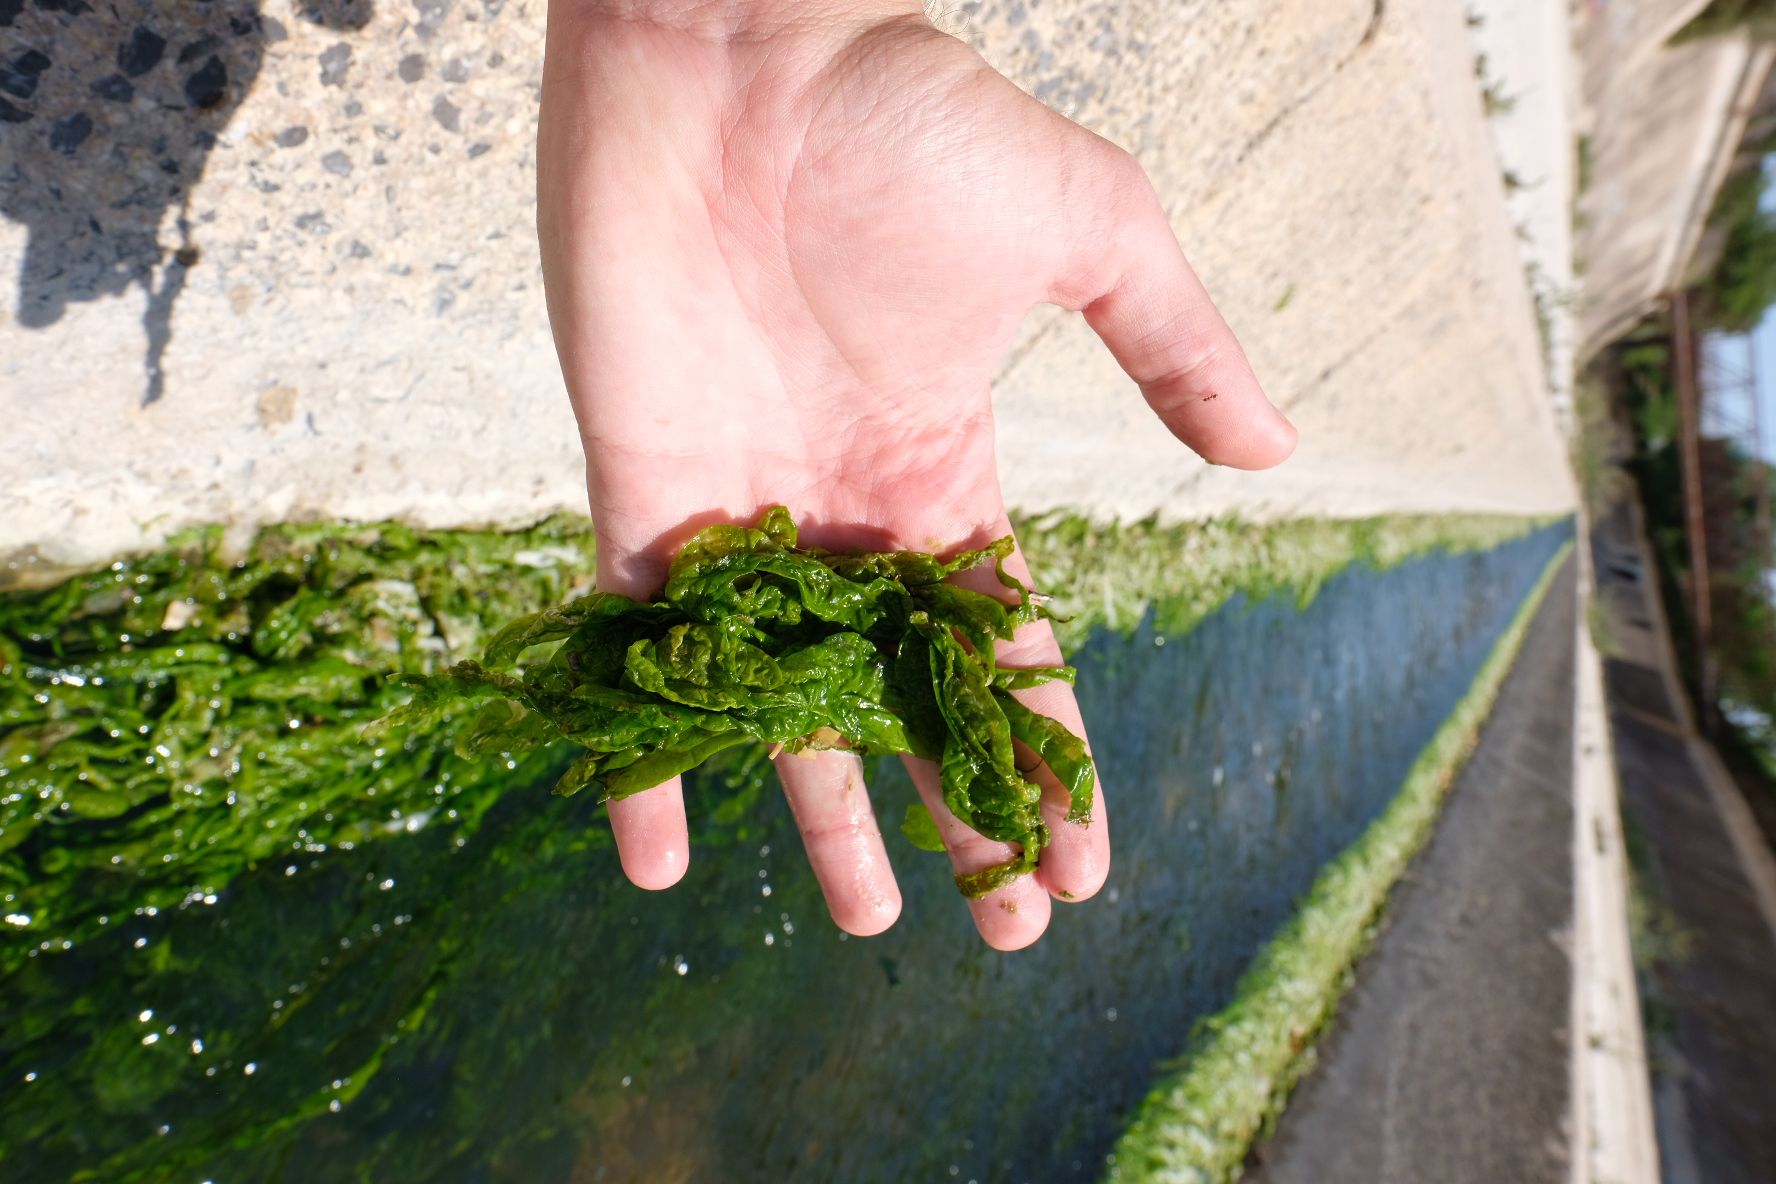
[[782, 261]]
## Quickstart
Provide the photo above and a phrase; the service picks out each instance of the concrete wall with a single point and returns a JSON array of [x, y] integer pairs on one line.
[[1664, 123], [286, 266]]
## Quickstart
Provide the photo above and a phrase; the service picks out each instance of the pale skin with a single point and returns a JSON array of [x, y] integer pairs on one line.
[[785, 245]]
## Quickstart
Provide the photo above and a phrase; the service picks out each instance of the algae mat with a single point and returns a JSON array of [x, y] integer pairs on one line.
[[445, 978]]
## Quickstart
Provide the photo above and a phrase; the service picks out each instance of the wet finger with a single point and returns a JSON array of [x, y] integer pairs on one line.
[[1008, 919], [831, 806], [1077, 860], [653, 842]]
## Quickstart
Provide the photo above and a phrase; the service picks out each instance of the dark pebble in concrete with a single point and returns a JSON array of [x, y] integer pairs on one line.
[[114, 87], [456, 70], [12, 114], [412, 67], [292, 137], [431, 15], [141, 53], [448, 114], [198, 48], [68, 134], [339, 14], [209, 86], [335, 62], [478, 149], [19, 77], [337, 163]]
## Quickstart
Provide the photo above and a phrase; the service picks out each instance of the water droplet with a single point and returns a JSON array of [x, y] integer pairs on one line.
[[770, 938], [765, 891], [680, 965], [250, 1068], [151, 1038], [146, 1015], [196, 1047], [386, 885]]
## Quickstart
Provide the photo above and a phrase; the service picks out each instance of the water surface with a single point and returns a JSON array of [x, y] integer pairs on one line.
[[494, 1003]]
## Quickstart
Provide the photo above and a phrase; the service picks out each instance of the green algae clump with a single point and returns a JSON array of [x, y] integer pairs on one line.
[[757, 639]]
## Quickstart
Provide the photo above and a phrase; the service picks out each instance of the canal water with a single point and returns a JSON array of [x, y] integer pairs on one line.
[[492, 1002]]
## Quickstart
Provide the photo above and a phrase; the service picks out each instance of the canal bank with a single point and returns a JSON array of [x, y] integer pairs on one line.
[[449, 976]]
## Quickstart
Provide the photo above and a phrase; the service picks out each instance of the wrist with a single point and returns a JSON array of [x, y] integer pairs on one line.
[[725, 19]]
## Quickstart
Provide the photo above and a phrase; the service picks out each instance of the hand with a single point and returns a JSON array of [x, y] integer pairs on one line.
[[785, 243]]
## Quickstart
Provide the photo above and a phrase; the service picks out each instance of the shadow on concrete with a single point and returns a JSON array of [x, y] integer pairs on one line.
[[108, 112]]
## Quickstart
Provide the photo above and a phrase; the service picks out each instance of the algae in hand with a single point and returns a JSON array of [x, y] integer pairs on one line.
[[755, 638]]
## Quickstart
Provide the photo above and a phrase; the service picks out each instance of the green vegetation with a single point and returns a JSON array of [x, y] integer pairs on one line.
[[1111, 575], [1754, 17], [755, 638], [1596, 442], [1743, 644], [1742, 286], [1657, 940], [174, 719], [1205, 1112]]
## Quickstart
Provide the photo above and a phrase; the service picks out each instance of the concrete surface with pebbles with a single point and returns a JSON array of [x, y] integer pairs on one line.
[[275, 258]]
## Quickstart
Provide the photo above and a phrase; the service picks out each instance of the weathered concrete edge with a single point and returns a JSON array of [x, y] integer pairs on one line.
[[1203, 1114], [1755, 856], [1613, 1136]]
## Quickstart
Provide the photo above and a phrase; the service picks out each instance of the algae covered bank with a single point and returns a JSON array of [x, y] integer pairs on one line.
[[243, 943]]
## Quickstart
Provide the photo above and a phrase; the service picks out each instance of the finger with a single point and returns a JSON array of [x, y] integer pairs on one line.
[[1013, 916], [831, 806], [653, 842], [1077, 860], [1141, 296]]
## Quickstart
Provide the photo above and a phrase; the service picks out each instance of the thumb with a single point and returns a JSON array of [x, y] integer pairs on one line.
[[1140, 295]]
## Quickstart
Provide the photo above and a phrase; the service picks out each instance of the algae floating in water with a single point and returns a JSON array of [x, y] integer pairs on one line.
[[755, 638]]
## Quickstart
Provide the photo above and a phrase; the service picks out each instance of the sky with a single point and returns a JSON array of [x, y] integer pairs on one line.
[[1763, 345], [1763, 340]]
